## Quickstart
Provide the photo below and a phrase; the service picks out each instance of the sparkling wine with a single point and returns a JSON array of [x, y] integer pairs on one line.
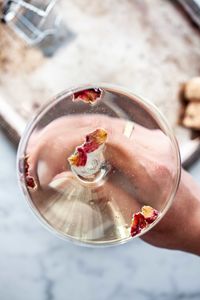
[[99, 165]]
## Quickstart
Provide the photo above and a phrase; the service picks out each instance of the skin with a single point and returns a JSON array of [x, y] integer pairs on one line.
[[146, 154]]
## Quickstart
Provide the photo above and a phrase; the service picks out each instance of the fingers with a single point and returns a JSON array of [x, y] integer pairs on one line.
[[49, 149], [137, 157]]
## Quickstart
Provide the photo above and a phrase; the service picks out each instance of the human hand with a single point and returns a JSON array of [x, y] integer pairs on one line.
[[144, 158]]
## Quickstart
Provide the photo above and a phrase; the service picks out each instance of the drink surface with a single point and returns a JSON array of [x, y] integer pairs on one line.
[[92, 159]]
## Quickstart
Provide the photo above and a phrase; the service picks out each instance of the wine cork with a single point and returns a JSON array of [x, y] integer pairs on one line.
[[192, 89], [192, 115]]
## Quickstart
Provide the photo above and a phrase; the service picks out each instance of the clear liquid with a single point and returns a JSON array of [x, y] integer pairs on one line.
[[99, 210]]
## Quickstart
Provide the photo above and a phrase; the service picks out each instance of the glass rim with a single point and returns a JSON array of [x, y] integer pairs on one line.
[[150, 107]]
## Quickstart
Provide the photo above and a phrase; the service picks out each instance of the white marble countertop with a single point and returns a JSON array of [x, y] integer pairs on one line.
[[34, 264]]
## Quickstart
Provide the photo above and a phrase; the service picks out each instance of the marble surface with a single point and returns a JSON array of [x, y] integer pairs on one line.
[[35, 264]]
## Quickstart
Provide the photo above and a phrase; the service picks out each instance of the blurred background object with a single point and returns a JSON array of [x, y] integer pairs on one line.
[[193, 9], [149, 47], [37, 22]]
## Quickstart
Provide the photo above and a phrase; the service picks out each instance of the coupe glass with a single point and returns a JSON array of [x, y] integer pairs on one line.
[[99, 165]]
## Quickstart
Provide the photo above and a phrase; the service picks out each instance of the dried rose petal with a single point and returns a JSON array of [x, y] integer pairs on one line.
[[149, 213], [88, 96], [92, 142], [79, 158], [99, 136], [137, 224], [142, 219], [25, 166], [90, 147], [30, 182]]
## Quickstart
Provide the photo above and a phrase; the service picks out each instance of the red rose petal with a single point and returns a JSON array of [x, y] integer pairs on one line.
[[142, 219], [99, 136], [138, 223], [92, 142], [30, 182], [82, 157], [88, 96], [79, 158], [90, 147], [150, 214], [24, 169], [24, 165]]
